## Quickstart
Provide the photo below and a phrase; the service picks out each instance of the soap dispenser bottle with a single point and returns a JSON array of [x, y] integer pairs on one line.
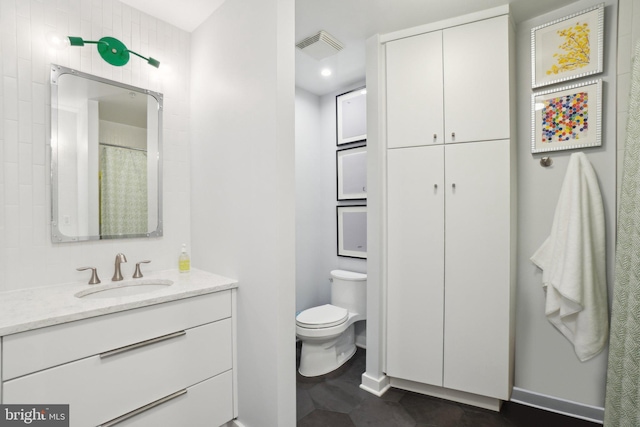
[[184, 263]]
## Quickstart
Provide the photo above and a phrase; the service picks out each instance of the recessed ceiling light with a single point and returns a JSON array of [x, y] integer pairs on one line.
[[325, 72]]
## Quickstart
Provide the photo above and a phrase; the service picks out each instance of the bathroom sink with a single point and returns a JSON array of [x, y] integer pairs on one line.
[[116, 290]]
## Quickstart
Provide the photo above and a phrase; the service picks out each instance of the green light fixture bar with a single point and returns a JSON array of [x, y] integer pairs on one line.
[[112, 50]]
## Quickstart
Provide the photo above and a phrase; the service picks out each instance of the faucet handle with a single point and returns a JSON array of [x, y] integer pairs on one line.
[[137, 274], [94, 274]]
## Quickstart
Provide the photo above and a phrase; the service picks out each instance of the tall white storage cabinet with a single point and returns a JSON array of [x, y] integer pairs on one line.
[[450, 212]]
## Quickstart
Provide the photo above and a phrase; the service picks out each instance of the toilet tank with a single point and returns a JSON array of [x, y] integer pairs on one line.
[[349, 290]]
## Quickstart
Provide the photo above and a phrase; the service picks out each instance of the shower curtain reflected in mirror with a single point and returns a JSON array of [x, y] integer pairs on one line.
[[123, 191]]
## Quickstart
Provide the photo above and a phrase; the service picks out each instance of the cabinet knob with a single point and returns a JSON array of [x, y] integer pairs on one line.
[[453, 135], [435, 136], [453, 186], [435, 186]]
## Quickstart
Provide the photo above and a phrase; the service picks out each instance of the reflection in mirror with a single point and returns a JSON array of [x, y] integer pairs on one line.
[[106, 158]]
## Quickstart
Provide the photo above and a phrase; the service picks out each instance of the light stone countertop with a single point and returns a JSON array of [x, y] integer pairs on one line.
[[33, 308]]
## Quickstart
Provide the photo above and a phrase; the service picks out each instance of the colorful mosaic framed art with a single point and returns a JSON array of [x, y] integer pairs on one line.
[[567, 118], [568, 48]]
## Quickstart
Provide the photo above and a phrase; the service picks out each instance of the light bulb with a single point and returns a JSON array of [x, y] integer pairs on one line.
[[325, 72], [57, 41]]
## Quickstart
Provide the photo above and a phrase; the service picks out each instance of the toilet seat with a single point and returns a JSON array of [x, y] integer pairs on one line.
[[324, 316]]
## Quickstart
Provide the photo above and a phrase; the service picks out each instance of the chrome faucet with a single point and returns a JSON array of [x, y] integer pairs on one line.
[[117, 275]]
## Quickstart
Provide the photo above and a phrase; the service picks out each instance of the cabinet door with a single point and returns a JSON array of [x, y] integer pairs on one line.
[[415, 263], [414, 91], [477, 268], [476, 81], [206, 404], [99, 389]]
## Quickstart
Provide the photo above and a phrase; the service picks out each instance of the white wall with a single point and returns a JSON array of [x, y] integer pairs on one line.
[[27, 257], [316, 199], [545, 360], [243, 206], [314, 237]]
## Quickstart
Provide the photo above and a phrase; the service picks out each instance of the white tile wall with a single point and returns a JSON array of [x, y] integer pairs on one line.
[[27, 256]]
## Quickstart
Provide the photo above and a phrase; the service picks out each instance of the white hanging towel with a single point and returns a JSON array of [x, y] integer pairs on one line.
[[573, 260]]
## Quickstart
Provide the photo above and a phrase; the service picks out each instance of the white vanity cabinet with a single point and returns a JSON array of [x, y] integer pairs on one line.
[[449, 85], [450, 214], [167, 364]]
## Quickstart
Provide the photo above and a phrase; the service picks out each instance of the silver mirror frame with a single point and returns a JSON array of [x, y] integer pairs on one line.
[[56, 235]]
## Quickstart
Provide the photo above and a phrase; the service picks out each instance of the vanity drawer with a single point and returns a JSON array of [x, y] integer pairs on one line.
[[39, 349], [102, 388], [207, 404]]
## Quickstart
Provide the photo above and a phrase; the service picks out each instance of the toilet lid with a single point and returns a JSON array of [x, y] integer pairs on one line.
[[323, 316]]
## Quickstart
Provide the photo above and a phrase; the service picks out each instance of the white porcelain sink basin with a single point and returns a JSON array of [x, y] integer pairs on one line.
[[123, 289]]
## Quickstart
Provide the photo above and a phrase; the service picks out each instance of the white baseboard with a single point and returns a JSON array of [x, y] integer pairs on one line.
[[485, 402], [376, 386], [560, 406]]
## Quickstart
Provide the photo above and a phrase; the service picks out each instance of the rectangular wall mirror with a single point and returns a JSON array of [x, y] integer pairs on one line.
[[106, 158]]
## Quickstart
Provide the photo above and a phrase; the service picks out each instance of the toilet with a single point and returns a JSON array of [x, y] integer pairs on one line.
[[327, 332]]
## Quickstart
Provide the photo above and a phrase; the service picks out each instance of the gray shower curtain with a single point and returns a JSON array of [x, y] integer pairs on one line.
[[622, 407]]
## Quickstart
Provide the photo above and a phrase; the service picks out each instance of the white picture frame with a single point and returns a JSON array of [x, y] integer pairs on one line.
[[352, 231], [568, 48], [351, 171], [567, 118], [351, 116]]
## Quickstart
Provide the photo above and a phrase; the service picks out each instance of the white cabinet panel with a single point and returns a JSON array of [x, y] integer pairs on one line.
[[99, 389], [449, 266], [207, 404], [415, 194], [476, 84], [477, 254], [414, 91], [43, 348], [449, 211]]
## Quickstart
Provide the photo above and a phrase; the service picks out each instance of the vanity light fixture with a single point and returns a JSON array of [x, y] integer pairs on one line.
[[112, 50]]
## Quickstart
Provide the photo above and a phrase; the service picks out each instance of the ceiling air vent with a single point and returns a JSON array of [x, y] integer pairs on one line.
[[320, 45]]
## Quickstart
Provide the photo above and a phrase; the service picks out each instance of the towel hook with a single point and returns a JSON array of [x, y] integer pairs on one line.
[[546, 161]]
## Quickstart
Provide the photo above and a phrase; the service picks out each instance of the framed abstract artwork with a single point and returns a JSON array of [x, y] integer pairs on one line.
[[567, 118], [351, 116], [351, 166], [568, 48], [352, 231]]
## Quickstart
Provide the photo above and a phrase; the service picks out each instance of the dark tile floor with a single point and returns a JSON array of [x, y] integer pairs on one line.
[[336, 400]]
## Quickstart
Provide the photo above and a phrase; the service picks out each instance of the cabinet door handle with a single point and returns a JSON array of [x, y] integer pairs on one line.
[[435, 186], [435, 137], [141, 344], [453, 135], [142, 409], [453, 186]]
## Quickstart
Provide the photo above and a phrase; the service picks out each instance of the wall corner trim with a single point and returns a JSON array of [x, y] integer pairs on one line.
[[375, 386], [560, 406]]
